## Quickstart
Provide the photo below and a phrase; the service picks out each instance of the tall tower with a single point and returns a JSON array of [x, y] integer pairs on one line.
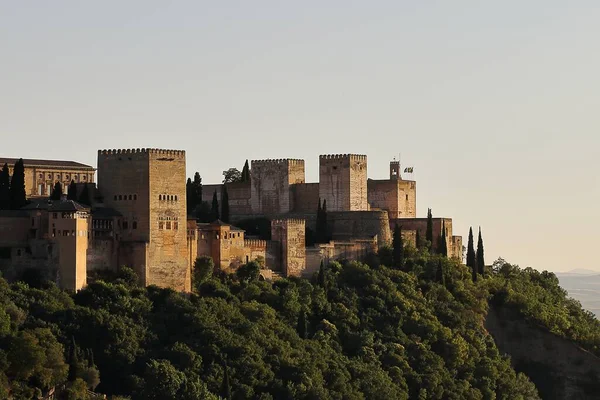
[[68, 226], [147, 186], [343, 182], [271, 180], [395, 171], [290, 233]]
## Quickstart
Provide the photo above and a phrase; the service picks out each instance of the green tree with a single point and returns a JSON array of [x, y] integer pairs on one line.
[[232, 175], [226, 384], [322, 276], [302, 327], [249, 271], [246, 172], [439, 274], [429, 232], [56, 191], [4, 188], [85, 197], [162, 380], [479, 257], [193, 190], [471, 256], [214, 210], [17, 186], [398, 248], [72, 191], [225, 205], [418, 243], [203, 271], [443, 241]]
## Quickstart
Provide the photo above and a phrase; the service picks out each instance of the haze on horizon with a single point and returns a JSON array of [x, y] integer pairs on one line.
[[495, 105]]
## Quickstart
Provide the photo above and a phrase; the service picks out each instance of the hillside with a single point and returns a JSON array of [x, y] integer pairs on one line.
[[355, 331]]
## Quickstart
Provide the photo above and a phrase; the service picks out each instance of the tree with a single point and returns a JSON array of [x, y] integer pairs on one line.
[[321, 226], [214, 210], [232, 175], [443, 242], [249, 271], [322, 277], [429, 232], [224, 205], [418, 243], [85, 197], [398, 248], [225, 384], [471, 251], [302, 327], [204, 212], [56, 192], [439, 274], [479, 257], [203, 270], [246, 172], [72, 191], [4, 188], [193, 190], [17, 186]]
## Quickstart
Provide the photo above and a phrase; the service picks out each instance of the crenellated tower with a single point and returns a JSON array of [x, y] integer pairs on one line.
[[343, 182], [270, 187]]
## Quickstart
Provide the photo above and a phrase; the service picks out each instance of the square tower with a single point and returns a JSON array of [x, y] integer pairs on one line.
[[343, 182], [147, 186], [270, 187], [290, 234]]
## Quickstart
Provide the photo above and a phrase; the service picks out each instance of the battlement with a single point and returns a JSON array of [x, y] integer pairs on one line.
[[129, 152], [278, 161], [353, 157], [286, 221], [255, 243]]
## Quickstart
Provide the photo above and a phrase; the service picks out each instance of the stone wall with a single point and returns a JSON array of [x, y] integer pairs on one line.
[[239, 197], [14, 228], [102, 253], [343, 182], [270, 185], [453, 243], [353, 250], [290, 233], [360, 225], [306, 197], [398, 197]]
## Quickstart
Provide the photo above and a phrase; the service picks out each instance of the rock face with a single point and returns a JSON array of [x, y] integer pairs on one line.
[[559, 368]]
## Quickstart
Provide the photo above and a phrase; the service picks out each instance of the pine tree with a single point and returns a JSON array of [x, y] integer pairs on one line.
[[56, 192], [72, 192], [246, 172], [439, 274], [214, 210], [4, 188], [479, 256], [397, 248], [226, 385], [85, 197], [225, 205], [302, 327], [17, 186], [443, 243], [429, 232]]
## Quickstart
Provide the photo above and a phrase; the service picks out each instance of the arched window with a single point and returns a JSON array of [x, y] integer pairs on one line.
[[135, 196], [120, 197], [175, 197], [130, 197]]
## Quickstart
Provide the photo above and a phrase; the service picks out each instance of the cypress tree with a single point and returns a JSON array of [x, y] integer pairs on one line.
[[479, 256], [214, 210], [470, 251], [17, 186], [418, 240], [73, 361], [225, 205], [85, 197], [443, 244], [246, 172], [197, 184], [226, 385], [439, 274], [72, 192], [397, 248], [429, 232], [302, 327], [4, 188], [322, 278], [56, 192]]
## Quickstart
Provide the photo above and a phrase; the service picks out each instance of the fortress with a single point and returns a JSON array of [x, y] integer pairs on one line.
[[137, 218]]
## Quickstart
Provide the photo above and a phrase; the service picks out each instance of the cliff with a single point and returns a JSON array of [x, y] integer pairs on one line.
[[559, 368]]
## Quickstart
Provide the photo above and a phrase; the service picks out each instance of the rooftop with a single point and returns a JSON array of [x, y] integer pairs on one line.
[[46, 163], [66, 206]]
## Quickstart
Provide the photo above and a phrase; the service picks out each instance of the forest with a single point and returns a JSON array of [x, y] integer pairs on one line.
[[355, 330]]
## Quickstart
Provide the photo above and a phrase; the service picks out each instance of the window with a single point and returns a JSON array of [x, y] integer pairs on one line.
[[32, 222], [135, 196], [175, 198], [130, 197], [54, 215], [125, 225], [406, 197], [134, 224], [168, 224], [175, 225], [115, 196], [160, 197], [41, 176], [18, 252], [120, 197], [161, 225]]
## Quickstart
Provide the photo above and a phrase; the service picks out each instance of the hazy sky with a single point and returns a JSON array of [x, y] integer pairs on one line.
[[497, 106]]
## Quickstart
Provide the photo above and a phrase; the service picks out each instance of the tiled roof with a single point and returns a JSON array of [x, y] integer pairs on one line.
[[67, 205], [46, 163]]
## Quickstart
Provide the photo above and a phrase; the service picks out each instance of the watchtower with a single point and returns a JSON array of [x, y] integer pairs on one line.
[[343, 182], [395, 171], [270, 187], [290, 234], [147, 186]]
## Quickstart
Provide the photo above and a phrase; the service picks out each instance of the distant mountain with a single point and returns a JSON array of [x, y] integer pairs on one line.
[[584, 287], [580, 271]]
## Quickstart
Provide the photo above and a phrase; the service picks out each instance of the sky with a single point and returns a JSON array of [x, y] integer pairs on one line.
[[495, 104]]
